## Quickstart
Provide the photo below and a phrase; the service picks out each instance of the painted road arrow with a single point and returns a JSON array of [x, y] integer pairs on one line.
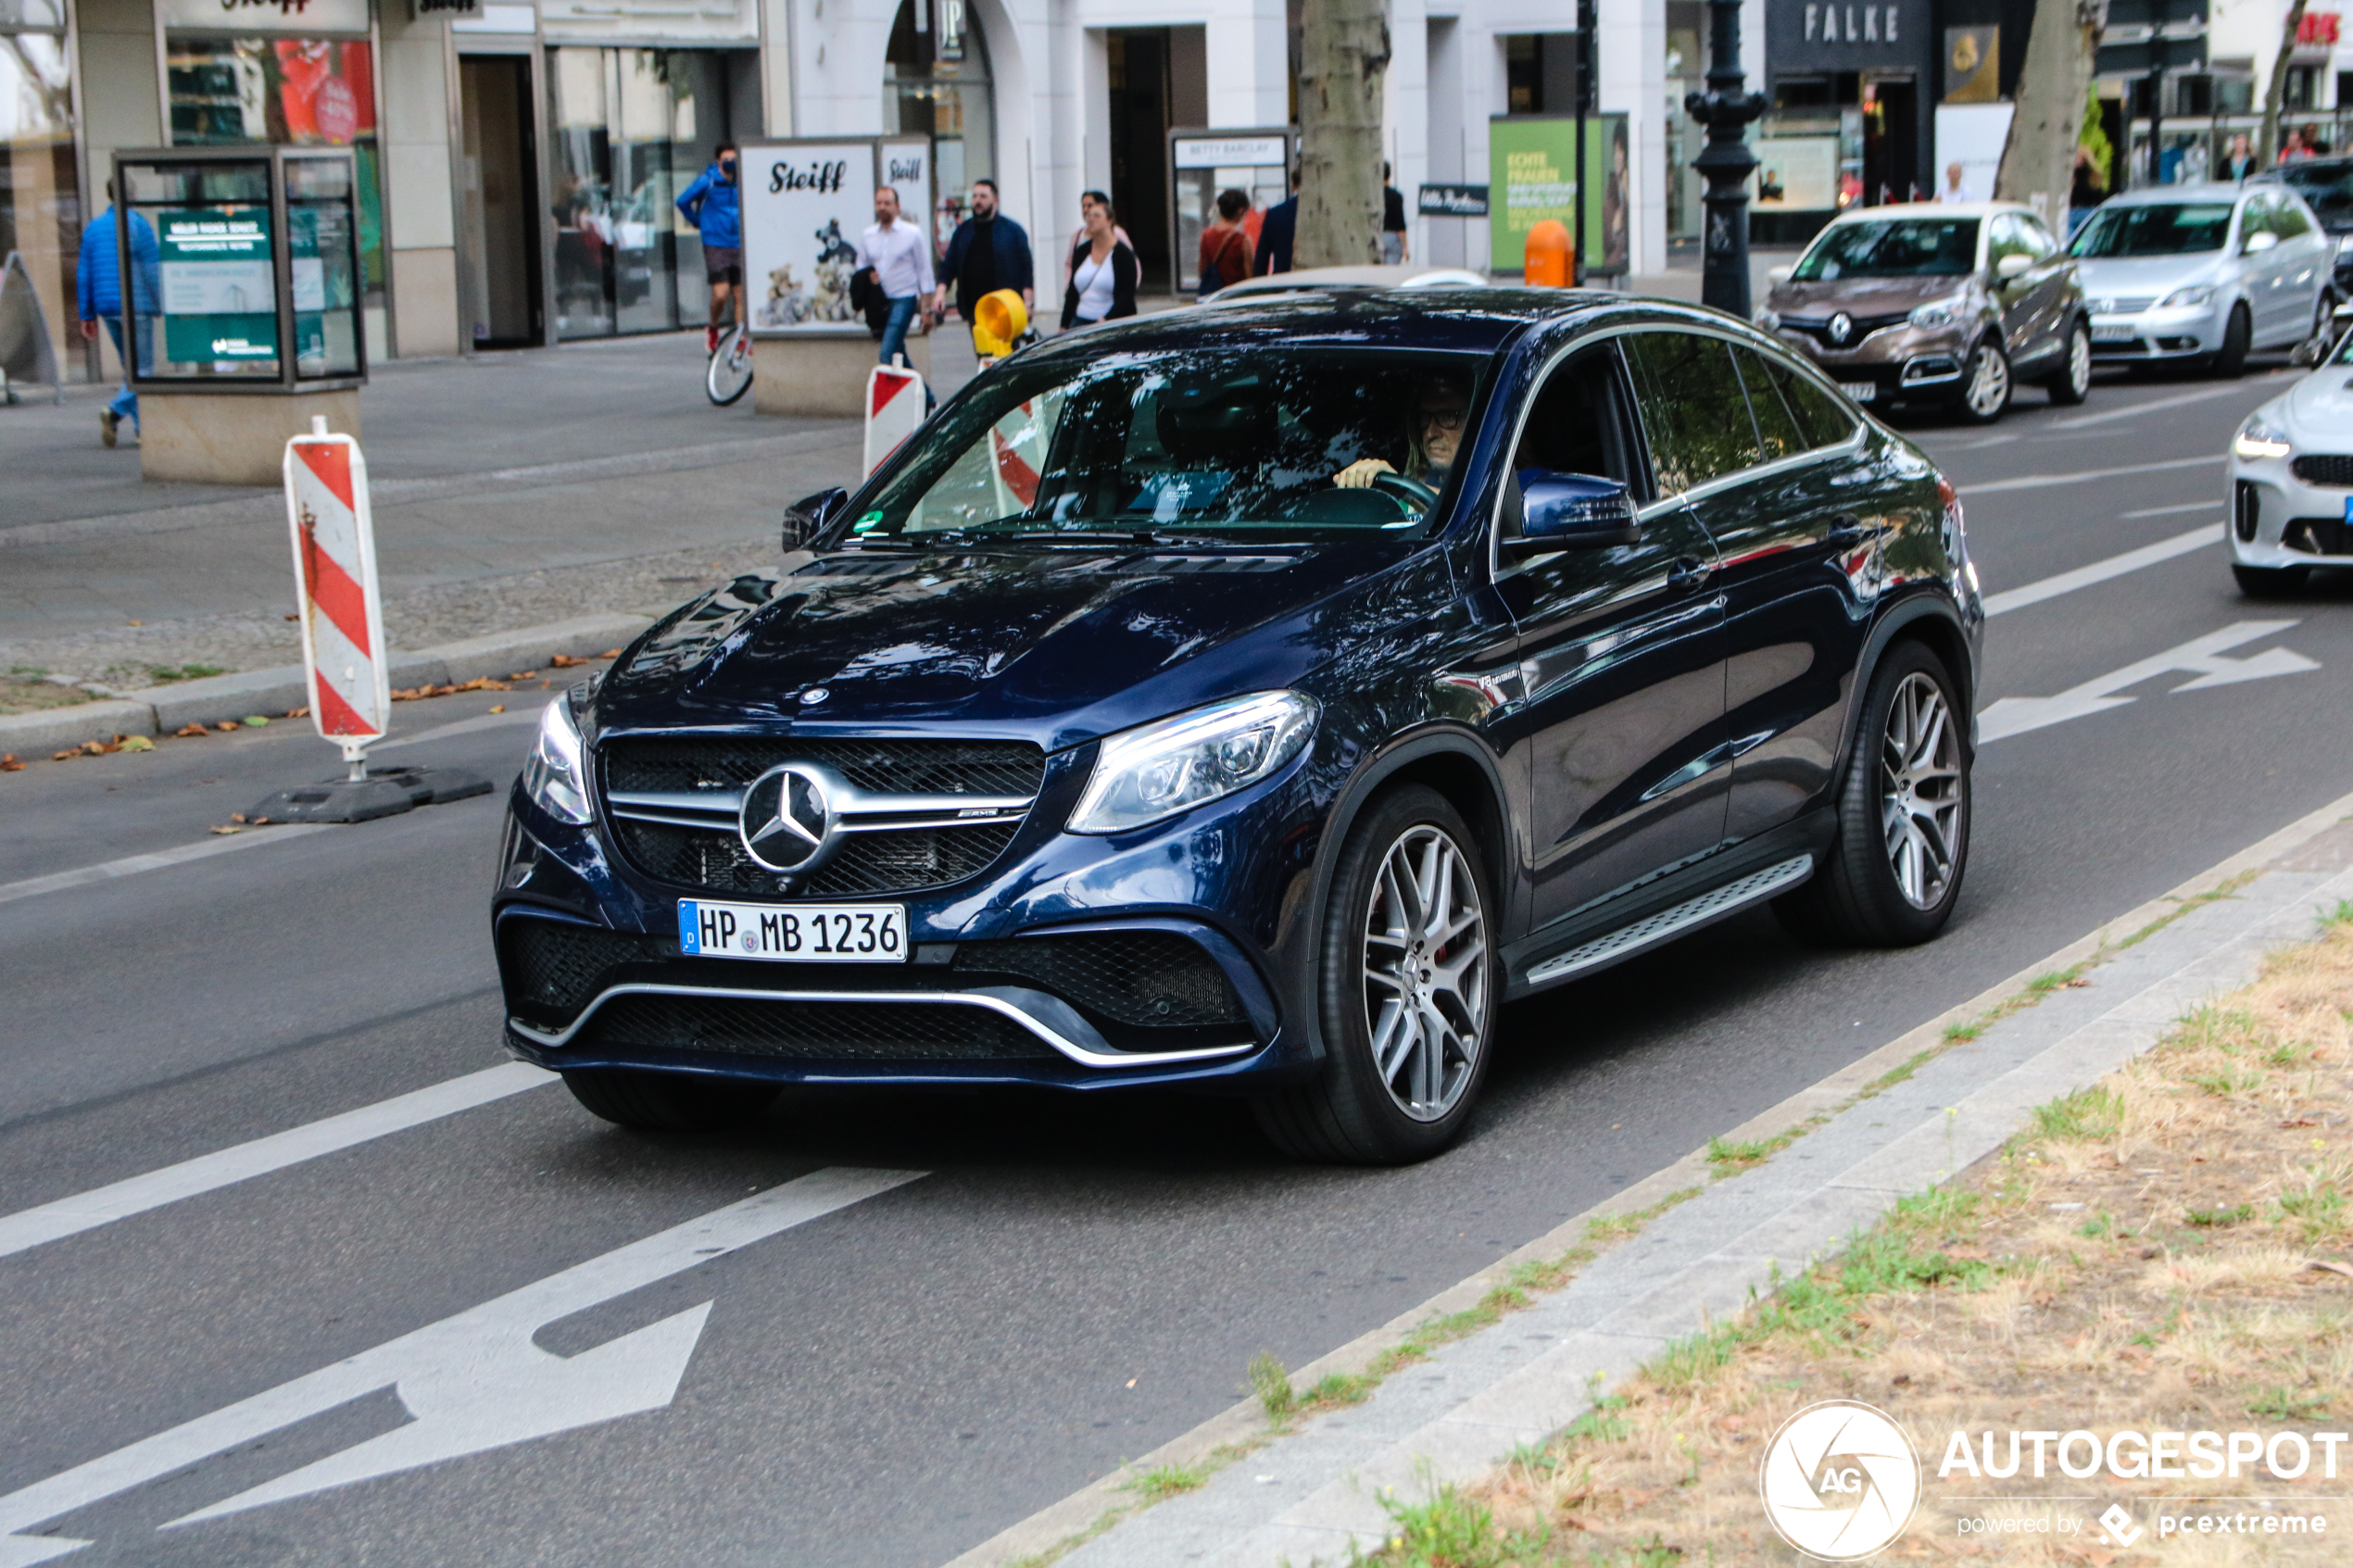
[[2201, 657], [471, 1382]]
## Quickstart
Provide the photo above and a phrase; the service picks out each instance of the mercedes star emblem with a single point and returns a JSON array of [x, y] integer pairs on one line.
[[1842, 327], [786, 820]]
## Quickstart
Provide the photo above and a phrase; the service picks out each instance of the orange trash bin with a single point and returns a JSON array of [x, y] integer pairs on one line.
[[1546, 264]]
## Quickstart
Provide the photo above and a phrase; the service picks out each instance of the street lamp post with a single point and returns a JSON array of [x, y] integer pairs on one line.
[[1726, 162]]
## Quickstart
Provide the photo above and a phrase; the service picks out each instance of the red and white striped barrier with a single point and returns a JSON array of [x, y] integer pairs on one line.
[[894, 409], [343, 620]]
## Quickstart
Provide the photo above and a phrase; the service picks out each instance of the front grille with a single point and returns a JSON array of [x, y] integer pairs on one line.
[[1819, 330], [1144, 979], [554, 969], [891, 767], [866, 862], [2122, 305], [802, 1031], [2324, 468]]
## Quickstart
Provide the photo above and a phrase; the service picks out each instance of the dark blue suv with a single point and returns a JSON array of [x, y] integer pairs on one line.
[[1254, 698]]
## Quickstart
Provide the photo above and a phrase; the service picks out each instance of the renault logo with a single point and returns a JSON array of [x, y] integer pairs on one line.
[[787, 820], [1842, 327]]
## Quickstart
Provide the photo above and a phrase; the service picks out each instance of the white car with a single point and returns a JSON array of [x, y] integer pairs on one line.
[[2291, 481]]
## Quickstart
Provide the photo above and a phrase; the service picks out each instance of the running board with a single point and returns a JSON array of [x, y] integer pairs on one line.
[[1649, 931]]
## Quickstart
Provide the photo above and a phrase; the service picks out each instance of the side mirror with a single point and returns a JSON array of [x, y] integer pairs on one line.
[[2013, 265], [1572, 511], [1780, 275], [2257, 242], [806, 517]]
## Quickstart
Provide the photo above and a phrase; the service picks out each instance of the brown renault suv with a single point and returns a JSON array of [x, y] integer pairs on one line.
[[1948, 303]]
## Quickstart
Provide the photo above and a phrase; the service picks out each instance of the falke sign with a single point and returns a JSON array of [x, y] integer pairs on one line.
[[1825, 36]]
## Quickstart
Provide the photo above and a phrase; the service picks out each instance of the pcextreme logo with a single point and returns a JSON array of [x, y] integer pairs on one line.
[[1840, 1481]]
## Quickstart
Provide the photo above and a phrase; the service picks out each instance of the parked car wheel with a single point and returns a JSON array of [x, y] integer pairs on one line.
[[670, 1102], [2269, 582], [1890, 876], [1985, 389], [1405, 992], [2072, 383], [2230, 360]]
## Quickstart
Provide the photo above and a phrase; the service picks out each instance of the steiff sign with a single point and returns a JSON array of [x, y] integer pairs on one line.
[[311, 18]]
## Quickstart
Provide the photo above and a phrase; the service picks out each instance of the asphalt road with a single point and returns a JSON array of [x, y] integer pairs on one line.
[[1072, 1282]]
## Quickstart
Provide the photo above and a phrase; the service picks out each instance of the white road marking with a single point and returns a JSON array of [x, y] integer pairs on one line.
[[34, 1228], [132, 865], [2170, 511], [2036, 481], [2201, 396], [473, 1381], [464, 727], [2101, 570], [2201, 657]]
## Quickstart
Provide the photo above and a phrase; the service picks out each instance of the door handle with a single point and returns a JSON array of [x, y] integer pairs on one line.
[[1847, 528], [1687, 573]]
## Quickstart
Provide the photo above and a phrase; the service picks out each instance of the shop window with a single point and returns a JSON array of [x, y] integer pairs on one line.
[[935, 83], [1523, 75], [40, 193], [2194, 94], [2302, 84]]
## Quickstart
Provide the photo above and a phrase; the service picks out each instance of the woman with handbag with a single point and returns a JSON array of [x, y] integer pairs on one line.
[[1103, 268], [1225, 244]]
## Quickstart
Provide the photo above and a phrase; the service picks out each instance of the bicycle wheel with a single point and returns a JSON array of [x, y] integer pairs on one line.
[[730, 373]]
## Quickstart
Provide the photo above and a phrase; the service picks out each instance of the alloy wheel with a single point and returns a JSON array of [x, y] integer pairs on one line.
[[1426, 972], [1920, 796], [1989, 382], [2078, 362]]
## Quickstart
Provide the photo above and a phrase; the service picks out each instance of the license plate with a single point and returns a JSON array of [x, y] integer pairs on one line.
[[1861, 390], [2121, 332], [805, 933]]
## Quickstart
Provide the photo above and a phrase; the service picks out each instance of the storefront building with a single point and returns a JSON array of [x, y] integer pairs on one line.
[[1852, 90]]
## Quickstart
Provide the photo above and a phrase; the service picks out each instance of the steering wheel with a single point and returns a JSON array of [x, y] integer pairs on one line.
[[1406, 489]]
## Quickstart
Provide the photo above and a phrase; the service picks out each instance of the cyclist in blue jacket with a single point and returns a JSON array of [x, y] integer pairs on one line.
[[98, 292], [713, 203]]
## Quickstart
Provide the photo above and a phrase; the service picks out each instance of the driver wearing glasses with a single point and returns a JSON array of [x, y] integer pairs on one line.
[[1433, 436]]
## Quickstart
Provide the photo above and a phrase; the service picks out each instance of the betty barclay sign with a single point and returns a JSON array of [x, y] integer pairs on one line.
[[309, 17], [220, 289], [805, 204]]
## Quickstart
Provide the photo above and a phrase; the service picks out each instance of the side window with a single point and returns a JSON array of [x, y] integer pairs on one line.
[[2255, 218], [2006, 237], [1776, 426], [1578, 423], [2288, 220], [2039, 244], [1693, 408], [1821, 419]]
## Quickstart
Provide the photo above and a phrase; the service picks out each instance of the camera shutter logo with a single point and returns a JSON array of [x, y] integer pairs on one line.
[[787, 820], [1840, 1481]]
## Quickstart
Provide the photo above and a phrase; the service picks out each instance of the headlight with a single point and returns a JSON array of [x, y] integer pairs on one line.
[[2181, 299], [2257, 439], [2344, 245], [556, 773], [1153, 772], [1768, 318], [1937, 313]]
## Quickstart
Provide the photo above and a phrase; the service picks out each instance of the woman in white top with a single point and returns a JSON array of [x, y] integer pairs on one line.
[[1103, 268]]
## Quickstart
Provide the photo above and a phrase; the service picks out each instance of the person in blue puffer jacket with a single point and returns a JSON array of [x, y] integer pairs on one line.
[[713, 203], [98, 291]]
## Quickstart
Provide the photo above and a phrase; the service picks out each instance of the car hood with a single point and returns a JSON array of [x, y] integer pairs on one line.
[[2158, 275], [1864, 296], [2320, 405], [1061, 645]]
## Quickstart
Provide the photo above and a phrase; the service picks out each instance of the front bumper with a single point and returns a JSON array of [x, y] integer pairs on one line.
[[2155, 335], [1894, 362], [2279, 519], [1072, 962]]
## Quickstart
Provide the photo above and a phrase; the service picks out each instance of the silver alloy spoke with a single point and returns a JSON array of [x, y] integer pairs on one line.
[[1425, 972], [1922, 793]]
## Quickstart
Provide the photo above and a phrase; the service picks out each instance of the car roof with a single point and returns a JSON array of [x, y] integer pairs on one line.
[[2160, 195], [1483, 319], [1378, 276], [1932, 210]]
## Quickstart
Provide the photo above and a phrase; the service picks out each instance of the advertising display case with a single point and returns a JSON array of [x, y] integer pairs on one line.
[[1533, 177], [1203, 163]]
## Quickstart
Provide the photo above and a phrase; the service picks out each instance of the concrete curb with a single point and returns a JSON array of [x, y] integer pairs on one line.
[[1426, 1422], [161, 710]]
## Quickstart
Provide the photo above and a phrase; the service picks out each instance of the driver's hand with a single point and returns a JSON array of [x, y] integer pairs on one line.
[[1359, 474]]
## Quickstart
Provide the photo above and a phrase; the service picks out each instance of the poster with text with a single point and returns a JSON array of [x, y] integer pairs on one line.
[[220, 289], [906, 167], [1798, 173], [805, 204], [1532, 176]]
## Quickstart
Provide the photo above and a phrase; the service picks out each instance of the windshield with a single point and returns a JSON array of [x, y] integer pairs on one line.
[[1267, 443], [2156, 228], [1893, 247], [2330, 192]]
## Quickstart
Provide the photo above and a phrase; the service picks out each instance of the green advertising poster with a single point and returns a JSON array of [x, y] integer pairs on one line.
[[220, 290], [1531, 176]]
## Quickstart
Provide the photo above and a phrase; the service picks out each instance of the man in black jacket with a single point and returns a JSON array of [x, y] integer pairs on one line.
[[987, 252], [1276, 231]]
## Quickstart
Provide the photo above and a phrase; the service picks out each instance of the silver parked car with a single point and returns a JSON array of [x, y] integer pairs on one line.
[[2203, 274]]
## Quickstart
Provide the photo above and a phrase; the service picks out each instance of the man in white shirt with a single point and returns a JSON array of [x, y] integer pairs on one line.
[[900, 255], [1956, 184]]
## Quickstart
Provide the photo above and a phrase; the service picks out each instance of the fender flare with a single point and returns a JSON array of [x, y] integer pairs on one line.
[[1908, 611]]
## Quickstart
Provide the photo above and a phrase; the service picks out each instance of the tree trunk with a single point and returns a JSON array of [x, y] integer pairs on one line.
[[2276, 95], [2038, 160], [1343, 54]]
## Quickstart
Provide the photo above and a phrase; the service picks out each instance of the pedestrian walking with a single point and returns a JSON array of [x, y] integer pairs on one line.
[[2239, 162], [900, 257], [1276, 231], [1079, 235], [1225, 243], [1956, 187], [714, 205], [1103, 269], [2087, 189], [987, 252], [1393, 248], [98, 297]]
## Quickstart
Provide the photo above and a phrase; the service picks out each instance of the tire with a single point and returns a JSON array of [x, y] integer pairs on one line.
[[2230, 360], [2269, 582], [728, 376], [2072, 383], [670, 1102], [1436, 1038], [1867, 892], [1985, 383]]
